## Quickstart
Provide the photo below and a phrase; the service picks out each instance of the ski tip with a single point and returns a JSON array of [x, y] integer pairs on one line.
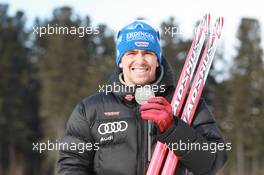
[[206, 19], [208, 15], [204, 24], [222, 21], [219, 24]]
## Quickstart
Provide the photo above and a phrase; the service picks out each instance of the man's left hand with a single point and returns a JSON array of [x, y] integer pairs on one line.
[[159, 110]]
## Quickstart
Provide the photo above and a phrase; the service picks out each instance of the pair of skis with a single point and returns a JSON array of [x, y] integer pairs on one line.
[[213, 37]]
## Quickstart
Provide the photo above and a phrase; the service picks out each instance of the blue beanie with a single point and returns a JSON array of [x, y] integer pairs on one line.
[[137, 35]]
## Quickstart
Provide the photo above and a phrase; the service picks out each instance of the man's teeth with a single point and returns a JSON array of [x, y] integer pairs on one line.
[[140, 69]]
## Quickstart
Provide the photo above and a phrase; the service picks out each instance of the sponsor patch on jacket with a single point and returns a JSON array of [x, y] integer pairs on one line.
[[111, 113], [112, 127], [106, 139]]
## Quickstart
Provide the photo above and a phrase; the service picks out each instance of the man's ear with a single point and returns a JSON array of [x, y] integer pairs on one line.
[[120, 65], [158, 64]]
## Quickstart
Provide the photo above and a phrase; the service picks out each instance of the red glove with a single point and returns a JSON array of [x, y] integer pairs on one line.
[[159, 110]]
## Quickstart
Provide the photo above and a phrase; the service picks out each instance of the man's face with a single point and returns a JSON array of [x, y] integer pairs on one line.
[[139, 67]]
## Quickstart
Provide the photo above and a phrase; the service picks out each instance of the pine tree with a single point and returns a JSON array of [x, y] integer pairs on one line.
[[19, 120], [174, 48], [62, 72], [70, 68], [246, 101]]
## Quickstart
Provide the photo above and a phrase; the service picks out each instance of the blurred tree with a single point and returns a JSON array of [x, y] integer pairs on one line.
[[101, 67], [19, 120], [246, 100], [62, 72], [174, 48], [70, 68], [105, 42]]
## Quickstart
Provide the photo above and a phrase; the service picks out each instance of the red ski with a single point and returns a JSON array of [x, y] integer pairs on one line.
[[181, 89], [196, 89]]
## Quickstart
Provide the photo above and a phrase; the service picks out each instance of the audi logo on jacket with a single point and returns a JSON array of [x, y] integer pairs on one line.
[[114, 123]]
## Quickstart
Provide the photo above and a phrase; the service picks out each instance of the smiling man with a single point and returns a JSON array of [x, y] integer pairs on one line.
[[118, 124], [139, 67]]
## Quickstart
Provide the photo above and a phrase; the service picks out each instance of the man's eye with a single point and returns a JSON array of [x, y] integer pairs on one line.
[[130, 53], [149, 54]]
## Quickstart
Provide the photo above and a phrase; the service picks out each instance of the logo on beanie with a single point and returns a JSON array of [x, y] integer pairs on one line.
[[142, 44], [139, 36]]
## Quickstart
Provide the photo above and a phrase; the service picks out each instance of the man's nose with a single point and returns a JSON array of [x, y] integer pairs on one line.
[[140, 58]]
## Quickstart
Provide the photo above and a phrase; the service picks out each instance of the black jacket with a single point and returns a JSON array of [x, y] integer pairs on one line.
[[112, 122]]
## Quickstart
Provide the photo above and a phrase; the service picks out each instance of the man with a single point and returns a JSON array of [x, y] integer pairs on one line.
[[118, 124]]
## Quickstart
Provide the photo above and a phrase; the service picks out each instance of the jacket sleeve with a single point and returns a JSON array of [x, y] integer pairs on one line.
[[202, 154], [77, 159]]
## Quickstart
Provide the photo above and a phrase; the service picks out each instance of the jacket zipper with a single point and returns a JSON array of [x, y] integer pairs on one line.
[[138, 140], [141, 146]]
